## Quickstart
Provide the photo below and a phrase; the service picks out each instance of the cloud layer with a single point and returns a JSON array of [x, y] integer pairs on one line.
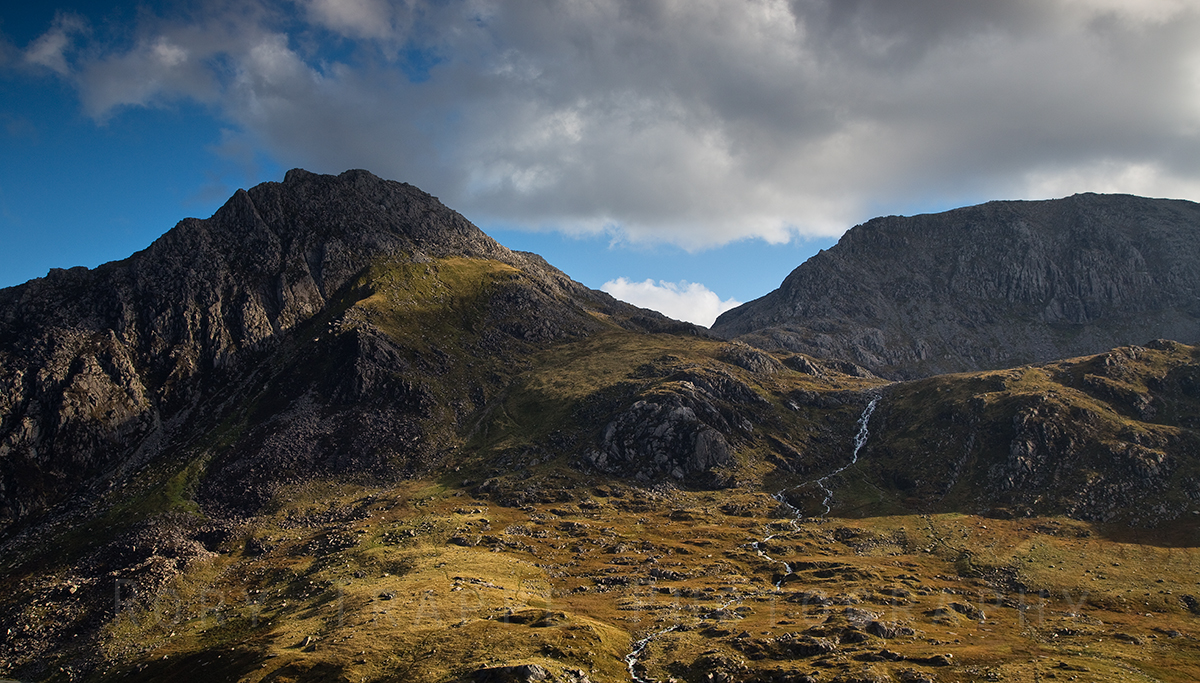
[[696, 122], [690, 301]]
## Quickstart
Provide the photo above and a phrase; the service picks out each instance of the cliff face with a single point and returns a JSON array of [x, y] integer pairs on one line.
[[989, 286], [104, 370]]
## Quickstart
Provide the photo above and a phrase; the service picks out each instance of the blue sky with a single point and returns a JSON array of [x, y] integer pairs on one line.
[[684, 155]]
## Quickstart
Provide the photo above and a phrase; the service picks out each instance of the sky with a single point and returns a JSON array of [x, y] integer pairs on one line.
[[684, 155]]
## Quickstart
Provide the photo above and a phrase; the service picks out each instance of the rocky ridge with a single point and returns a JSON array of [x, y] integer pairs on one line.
[[996, 285]]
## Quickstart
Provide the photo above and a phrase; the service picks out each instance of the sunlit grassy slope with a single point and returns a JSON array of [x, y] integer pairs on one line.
[[514, 551], [424, 582]]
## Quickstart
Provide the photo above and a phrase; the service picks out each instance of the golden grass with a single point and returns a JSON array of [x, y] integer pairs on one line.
[[571, 587]]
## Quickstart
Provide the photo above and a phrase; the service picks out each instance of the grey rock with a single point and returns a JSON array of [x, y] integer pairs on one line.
[[683, 428], [995, 285], [522, 673], [749, 358]]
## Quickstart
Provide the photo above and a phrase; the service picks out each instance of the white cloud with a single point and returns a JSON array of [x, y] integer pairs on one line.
[[50, 50], [153, 71], [1147, 179], [357, 18], [1147, 11], [695, 122], [690, 301]]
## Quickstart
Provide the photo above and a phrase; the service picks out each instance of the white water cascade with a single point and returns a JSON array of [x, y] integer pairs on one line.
[[860, 440], [639, 647]]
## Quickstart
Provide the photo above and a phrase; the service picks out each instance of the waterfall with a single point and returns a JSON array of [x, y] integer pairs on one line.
[[860, 440]]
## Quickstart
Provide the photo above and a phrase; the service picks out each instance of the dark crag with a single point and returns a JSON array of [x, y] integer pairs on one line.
[[990, 286]]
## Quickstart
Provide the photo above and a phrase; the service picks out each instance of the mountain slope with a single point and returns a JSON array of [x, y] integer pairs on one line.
[[1112, 438], [989, 286], [104, 371], [335, 433]]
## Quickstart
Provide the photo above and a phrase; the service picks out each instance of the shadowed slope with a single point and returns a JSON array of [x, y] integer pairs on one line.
[[990, 286]]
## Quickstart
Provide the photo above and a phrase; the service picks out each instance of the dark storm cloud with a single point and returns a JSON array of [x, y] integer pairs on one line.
[[696, 122]]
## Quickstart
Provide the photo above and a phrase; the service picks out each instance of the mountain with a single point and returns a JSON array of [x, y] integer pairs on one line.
[[281, 294], [990, 286], [336, 433]]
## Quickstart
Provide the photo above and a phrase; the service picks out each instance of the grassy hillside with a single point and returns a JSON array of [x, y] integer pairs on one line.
[[425, 582], [502, 478]]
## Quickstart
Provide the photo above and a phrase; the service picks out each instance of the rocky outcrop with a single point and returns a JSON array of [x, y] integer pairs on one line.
[[526, 673], [995, 285], [752, 360], [652, 438], [682, 428], [1107, 438]]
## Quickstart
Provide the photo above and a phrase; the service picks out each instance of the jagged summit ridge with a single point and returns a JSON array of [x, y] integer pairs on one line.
[[269, 257], [990, 286]]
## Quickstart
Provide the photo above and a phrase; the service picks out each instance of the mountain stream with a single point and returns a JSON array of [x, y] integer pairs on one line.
[[860, 440]]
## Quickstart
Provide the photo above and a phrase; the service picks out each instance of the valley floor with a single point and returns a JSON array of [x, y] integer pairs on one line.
[[614, 583]]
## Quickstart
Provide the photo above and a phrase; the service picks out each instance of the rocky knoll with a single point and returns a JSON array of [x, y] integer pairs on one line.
[[102, 371], [990, 286], [1105, 438], [680, 428]]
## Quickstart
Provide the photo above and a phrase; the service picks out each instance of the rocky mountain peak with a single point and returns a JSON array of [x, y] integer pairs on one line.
[[990, 286], [318, 230], [101, 368]]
